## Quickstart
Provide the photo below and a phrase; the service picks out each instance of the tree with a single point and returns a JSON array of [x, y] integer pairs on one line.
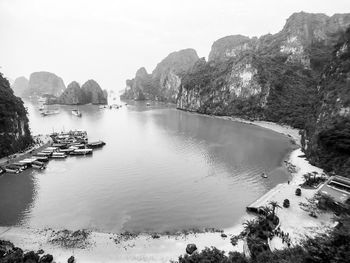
[[250, 225], [274, 205]]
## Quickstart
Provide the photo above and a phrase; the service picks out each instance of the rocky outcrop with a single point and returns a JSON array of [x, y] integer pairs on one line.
[[90, 92], [327, 138], [9, 253], [93, 92], [191, 248], [164, 82], [272, 78], [41, 83], [73, 95], [230, 46], [20, 86], [14, 129]]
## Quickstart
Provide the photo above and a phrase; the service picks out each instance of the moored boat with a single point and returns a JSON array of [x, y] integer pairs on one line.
[[96, 144], [12, 169], [21, 166], [41, 158], [81, 152], [2, 170], [59, 155], [66, 151], [44, 154], [38, 165]]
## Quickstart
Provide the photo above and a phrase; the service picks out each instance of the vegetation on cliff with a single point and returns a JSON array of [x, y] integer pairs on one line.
[[328, 136], [272, 78], [14, 129]]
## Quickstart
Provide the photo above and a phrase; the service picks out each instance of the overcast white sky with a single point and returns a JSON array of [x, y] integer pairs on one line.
[[109, 40]]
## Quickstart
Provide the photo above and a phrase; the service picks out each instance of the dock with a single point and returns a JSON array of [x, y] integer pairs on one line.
[[263, 200]]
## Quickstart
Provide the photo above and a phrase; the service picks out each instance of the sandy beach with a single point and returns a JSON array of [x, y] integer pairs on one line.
[[143, 248]]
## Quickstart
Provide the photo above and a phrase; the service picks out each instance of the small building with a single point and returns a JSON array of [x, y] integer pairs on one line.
[[337, 187]]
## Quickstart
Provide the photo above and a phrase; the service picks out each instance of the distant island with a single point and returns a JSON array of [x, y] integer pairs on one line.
[[49, 85]]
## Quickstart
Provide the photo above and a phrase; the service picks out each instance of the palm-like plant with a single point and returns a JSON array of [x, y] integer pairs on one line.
[[266, 210], [249, 225], [274, 205]]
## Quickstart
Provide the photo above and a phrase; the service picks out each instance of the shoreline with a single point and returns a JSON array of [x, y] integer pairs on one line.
[[144, 248]]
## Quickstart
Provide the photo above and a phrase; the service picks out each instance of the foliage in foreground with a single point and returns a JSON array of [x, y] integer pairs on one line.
[[331, 247]]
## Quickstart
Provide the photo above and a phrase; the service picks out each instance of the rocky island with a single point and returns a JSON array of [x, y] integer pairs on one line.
[[41, 83], [20, 86], [89, 92], [164, 82]]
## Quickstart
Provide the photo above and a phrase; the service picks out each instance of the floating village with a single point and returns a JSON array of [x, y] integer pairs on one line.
[[59, 146]]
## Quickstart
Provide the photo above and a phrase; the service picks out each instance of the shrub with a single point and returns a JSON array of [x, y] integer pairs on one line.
[[286, 203]]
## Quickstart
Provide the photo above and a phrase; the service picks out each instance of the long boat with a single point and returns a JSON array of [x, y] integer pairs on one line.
[[96, 144], [12, 169], [66, 151], [41, 158], [81, 152], [21, 166], [50, 112], [59, 155], [43, 154], [38, 165]]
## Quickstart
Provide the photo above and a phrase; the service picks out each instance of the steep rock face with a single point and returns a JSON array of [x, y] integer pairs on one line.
[[20, 86], [228, 47], [327, 140], [165, 80], [93, 92], [272, 78], [72, 95], [41, 83], [14, 128]]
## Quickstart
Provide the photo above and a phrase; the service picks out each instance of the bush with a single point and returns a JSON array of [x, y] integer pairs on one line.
[[286, 203], [298, 192]]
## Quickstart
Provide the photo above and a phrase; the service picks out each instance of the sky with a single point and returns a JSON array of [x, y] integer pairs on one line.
[[109, 40]]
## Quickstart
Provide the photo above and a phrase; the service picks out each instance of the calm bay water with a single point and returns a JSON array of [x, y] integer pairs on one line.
[[161, 170]]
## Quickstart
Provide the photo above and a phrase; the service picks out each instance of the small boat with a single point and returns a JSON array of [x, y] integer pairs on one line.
[[148, 104], [81, 152], [38, 165], [59, 155], [101, 107], [41, 158], [21, 166], [43, 154], [76, 112], [2, 170], [264, 175], [67, 151], [41, 108], [12, 169], [50, 112], [77, 146], [59, 145], [96, 144]]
